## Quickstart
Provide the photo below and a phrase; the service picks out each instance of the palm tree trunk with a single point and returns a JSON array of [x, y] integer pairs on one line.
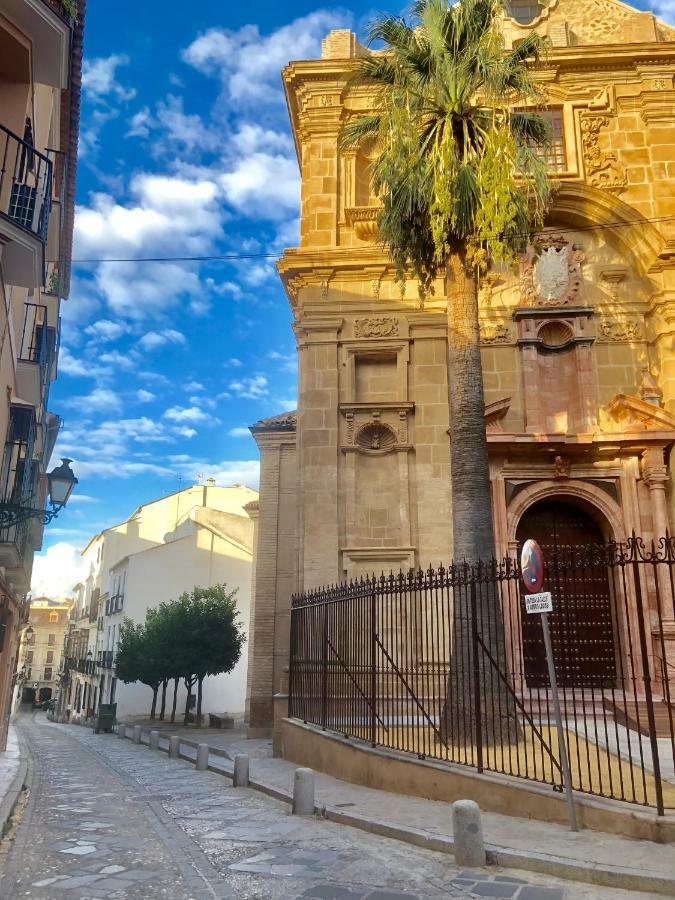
[[479, 707], [155, 688], [199, 701]]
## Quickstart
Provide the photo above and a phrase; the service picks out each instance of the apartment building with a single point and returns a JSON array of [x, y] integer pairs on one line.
[[199, 536], [78, 681], [40, 69], [42, 648]]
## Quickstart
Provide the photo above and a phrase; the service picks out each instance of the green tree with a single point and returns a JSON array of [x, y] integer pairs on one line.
[[461, 188], [138, 658], [212, 637]]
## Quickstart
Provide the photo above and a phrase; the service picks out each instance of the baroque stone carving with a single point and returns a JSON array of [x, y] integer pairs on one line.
[[551, 272], [618, 331], [562, 468], [375, 326], [363, 219], [650, 391], [602, 167], [376, 436], [495, 334]]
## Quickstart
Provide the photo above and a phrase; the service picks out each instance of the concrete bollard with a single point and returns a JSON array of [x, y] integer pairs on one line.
[[136, 737], [121, 730], [240, 778], [154, 740], [467, 831], [174, 746], [303, 793], [202, 758]]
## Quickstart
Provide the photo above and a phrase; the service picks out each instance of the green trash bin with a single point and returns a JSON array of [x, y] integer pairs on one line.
[[107, 713]]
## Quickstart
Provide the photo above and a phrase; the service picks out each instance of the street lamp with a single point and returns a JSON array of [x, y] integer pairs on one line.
[[61, 481]]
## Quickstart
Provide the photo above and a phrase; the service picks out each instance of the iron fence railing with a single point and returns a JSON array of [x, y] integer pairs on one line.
[[25, 184], [446, 664]]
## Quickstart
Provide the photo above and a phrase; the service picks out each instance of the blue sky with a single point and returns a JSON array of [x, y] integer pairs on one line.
[[185, 151]]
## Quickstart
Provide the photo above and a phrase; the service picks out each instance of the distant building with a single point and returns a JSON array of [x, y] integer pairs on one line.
[[200, 536], [40, 78], [42, 649], [79, 683]]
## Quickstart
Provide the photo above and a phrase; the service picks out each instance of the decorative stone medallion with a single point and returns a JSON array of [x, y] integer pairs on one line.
[[376, 437], [619, 331], [551, 272]]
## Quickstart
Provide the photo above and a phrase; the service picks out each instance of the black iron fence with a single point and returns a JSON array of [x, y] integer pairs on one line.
[[25, 183], [447, 664]]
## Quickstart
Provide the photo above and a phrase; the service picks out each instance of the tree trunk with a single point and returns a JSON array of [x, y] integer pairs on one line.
[[200, 681], [188, 687], [175, 699], [163, 707], [479, 708], [155, 688]]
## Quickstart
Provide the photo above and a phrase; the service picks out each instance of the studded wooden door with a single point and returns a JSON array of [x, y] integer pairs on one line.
[[582, 630]]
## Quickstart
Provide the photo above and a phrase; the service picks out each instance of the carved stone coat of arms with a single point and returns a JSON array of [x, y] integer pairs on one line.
[[551, 272]]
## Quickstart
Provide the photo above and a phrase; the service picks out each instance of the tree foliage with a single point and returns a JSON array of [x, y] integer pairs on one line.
[[187, 639], [455, 131]]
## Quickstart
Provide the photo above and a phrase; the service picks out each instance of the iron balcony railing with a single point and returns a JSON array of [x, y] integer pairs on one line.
[[114, 604], [25, 184], [106, 659]]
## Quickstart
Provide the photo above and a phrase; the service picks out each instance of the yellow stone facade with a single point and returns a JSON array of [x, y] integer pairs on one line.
[[578, 359]]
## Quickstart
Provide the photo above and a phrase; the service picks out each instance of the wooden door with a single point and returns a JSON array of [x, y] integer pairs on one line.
[[582, 629]]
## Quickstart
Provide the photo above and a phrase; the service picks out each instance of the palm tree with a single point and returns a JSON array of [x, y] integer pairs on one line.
[[461, 187]]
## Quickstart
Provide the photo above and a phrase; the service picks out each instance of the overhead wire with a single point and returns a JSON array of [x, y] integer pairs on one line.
[[234, 257]]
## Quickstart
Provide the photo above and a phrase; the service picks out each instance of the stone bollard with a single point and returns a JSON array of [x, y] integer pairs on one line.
[[121, 730], [240, 778], [467, 831], [174, 746], [303, 793], [136, 737], [202, 760], [154, 740]]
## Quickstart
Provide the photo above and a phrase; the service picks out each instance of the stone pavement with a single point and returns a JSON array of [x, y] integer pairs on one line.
[[110, 819], [432, 817]]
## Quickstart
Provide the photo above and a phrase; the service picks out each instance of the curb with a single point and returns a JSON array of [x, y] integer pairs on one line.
[[530, 861], [11, 798]]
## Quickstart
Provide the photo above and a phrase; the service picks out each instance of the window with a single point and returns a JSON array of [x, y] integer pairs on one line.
[[53, 617], [524, 11], [52, 639], [553, 153], [48, 673], [29, 657], [50, 656]]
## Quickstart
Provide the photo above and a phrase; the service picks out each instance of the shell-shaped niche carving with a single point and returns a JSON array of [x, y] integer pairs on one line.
[[555, 335], [375, 437]]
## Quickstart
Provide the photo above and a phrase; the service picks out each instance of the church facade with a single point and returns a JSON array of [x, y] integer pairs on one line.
[[577, 346]]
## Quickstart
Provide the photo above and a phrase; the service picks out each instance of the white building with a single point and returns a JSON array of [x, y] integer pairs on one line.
[[197, 537]]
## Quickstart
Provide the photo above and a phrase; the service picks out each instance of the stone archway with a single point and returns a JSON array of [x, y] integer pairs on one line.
[[582, 623]]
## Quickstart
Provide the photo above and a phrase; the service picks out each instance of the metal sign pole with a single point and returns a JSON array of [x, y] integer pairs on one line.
[[564, 761]]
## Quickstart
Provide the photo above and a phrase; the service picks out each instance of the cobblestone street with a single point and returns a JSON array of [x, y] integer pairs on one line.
[[110, 819]]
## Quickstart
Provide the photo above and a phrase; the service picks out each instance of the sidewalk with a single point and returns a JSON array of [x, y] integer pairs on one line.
[[12, 777], [521, 843]]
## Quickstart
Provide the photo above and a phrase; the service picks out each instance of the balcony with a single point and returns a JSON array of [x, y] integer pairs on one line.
[[25, 205], [106, 659], [48, 24], [19, 484], [114, 604], [37, 351]]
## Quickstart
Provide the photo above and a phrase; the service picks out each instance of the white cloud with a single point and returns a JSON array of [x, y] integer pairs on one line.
[[227, 472], [664, 9], [140, 123], [154, 339], [144, 396], [186, 432], [186, 414], [81, 498], [98, 400], [126, 361], [263, 185], [287, 361], [249, 63], [106, 330], [239, 432], [57, 570], [194, 386], [250, 388], [99, 80], [234, 363], [78, 367]]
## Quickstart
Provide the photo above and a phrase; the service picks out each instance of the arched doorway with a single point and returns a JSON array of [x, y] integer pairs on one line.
[[582, 626]]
